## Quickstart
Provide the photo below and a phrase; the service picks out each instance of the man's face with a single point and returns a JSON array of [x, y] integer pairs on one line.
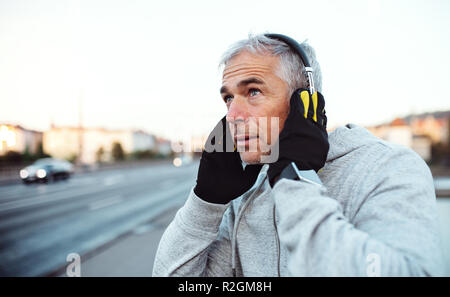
[[252, 91]]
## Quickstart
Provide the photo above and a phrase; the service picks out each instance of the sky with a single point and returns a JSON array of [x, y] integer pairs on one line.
[[153, 65]]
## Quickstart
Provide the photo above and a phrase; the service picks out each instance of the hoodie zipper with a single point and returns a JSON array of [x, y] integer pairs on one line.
[[236, 226], [277, 240]]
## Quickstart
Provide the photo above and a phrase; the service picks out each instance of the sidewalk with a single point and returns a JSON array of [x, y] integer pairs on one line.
[[130, 255]]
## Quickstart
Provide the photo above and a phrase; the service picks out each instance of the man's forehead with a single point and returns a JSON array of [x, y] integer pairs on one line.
[[246, 62]]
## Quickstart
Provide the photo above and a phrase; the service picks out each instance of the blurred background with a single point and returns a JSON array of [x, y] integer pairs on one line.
[[105, 106]]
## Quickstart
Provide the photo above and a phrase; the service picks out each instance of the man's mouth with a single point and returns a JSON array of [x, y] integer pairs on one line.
[[244, 140]]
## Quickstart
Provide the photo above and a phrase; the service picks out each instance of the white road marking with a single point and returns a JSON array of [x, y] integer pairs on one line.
[[141, 229], [105, 203], [111, 180]]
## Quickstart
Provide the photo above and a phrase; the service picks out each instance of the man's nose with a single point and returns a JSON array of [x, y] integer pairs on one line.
[[238, 110]]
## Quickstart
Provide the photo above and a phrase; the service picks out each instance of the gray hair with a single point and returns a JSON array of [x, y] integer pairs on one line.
[[291, 69]]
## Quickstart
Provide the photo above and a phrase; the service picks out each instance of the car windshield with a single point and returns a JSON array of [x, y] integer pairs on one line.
[[44, 161]]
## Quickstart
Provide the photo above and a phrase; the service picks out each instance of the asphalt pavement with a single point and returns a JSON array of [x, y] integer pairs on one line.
[[41, 224]]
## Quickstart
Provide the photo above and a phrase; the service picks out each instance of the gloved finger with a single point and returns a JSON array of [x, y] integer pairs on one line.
[[314, 105], [228, 141], [220, 139], [305, 101], [320, 110]]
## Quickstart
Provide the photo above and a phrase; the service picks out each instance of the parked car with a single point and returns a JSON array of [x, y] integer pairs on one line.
[[44, 170]]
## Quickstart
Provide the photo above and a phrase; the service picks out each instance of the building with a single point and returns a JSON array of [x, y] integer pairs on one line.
[[435, 128], [84, 144], [421, 144], [18, 139], [400, 132], [396, 132], [164, 146]]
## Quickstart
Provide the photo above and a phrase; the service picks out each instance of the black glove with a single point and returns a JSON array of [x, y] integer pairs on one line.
[[220, 176], [304, 138]]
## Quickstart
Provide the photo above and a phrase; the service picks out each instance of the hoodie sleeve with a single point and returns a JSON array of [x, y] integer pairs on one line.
[[197, 241], [394, 231]]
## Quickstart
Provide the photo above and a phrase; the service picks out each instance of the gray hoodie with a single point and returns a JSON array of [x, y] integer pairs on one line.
[[374, 215]]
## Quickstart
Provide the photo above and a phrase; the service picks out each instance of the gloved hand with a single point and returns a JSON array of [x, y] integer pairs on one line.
[[221, 177], [304, 138]]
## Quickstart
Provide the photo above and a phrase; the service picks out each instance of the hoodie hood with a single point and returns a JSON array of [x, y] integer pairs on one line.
[[348, 138]]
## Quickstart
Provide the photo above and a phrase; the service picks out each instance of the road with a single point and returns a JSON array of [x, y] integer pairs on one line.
[[113, 219], [41, 224]]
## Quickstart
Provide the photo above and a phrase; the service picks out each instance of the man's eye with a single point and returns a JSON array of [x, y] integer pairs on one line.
[[254, 92], [227, 98]]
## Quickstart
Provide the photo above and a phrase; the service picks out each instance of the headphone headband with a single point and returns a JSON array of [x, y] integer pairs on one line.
[[296, 47]]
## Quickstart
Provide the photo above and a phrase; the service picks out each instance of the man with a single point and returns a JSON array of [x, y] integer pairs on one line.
[[369, 210]]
